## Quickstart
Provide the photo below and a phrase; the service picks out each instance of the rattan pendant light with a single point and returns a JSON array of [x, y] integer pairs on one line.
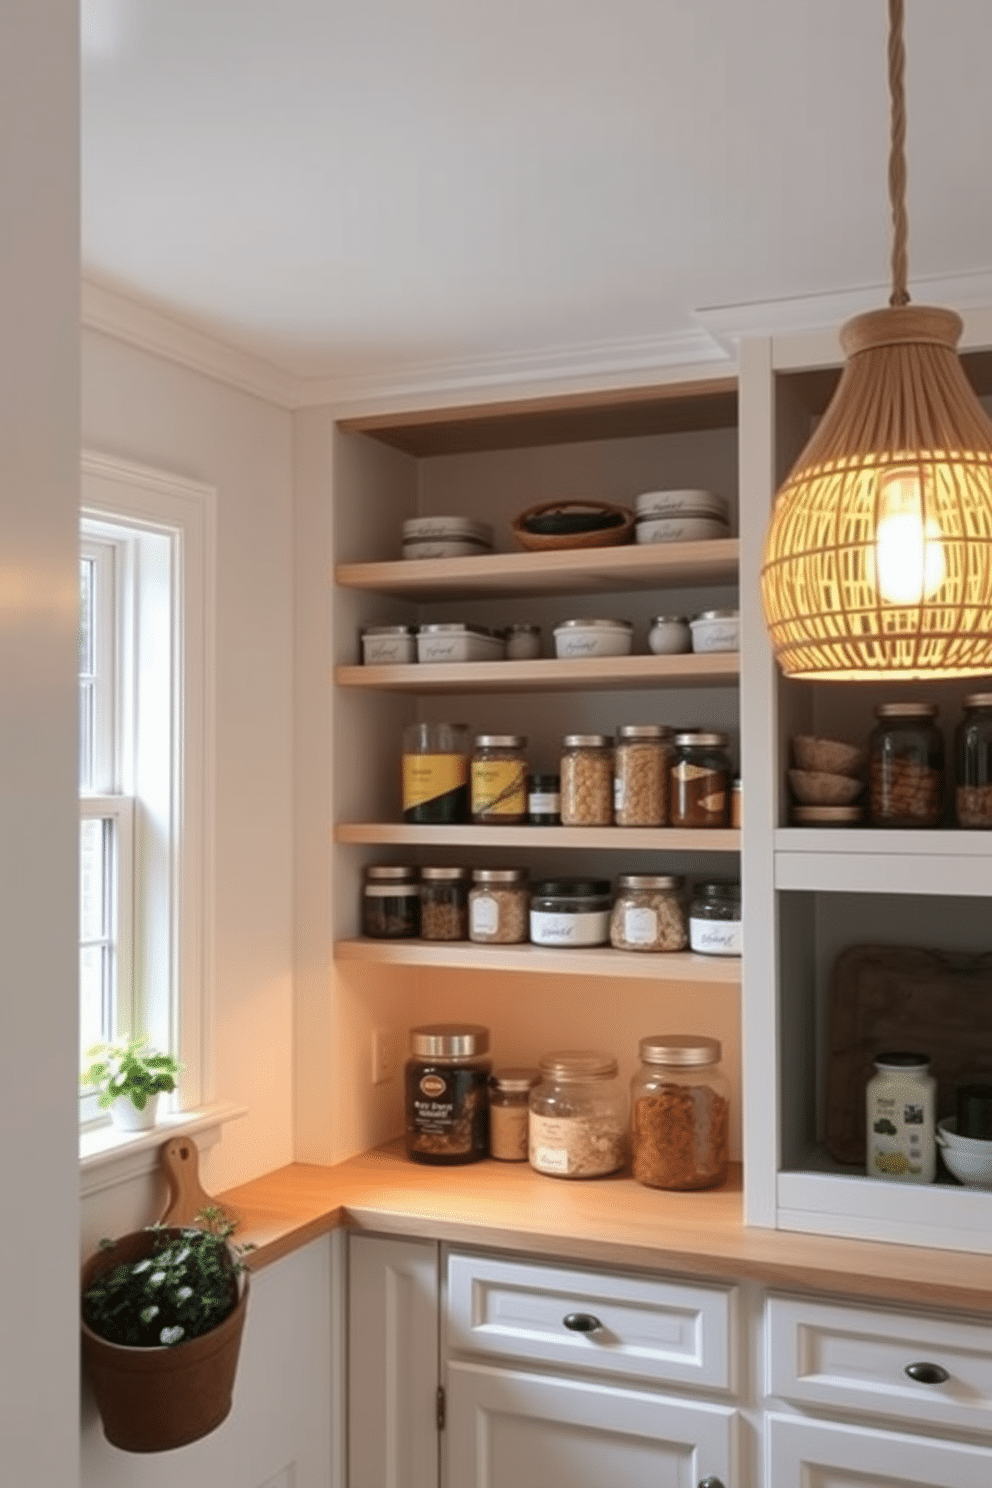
[[878, 560]]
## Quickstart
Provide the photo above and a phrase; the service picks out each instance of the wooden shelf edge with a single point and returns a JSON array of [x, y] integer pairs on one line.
[[614, 839], [550, 674], [684, 966]]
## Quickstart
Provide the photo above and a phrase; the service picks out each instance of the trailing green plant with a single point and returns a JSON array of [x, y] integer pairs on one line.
[[129, 1069], [187, 1286]]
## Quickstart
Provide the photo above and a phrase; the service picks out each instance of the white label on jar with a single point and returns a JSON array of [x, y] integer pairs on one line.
[[485, 915], [587, 929], [715, 937], [550, 1159], [640, 926], [544, 803], [618, 795]]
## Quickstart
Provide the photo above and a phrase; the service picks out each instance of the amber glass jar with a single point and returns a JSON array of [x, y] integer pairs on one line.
[[906, 766], [679, 1109], [973, 762], [700, 780]]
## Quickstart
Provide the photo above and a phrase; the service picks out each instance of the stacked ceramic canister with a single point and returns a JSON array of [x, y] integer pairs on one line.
[[680, 516]]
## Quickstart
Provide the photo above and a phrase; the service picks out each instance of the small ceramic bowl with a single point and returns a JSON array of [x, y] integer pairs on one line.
[[831, 755], [969, 1159], [818, 788], [594, 638]]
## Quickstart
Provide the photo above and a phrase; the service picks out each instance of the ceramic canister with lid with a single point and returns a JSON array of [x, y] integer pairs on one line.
[[447, 1110], [679, 1113], [900, 1117], [577, 1116]]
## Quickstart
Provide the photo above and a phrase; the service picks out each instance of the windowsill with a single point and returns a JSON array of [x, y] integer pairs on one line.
[[108, 1157]]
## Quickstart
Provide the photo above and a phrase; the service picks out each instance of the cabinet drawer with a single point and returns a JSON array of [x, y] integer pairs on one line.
[[833, 1456], [856, 1358], [648, 1329]]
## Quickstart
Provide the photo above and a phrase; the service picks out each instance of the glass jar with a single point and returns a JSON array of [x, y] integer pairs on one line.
[[435, 773], [444, 903], [543, 800], [447, 1109], [973, 760], [497, 906], [499, 779], [669, 635], [715, 918], [509, 1103], [577, 1116], [700, 780], [680, 1103], [900, 1114], [523, 642], [570, 912], [906, 766], [641, 765], [649, 913], [736, 802], [587, 780], [390, 902]]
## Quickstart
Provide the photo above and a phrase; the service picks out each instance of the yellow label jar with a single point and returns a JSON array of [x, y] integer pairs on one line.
[[499, 779]]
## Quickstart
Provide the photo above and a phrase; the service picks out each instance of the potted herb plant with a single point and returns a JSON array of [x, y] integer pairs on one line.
[[130, 1078], [163, 1310]]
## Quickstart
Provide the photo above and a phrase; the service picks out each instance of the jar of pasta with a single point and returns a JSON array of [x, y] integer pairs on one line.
[[649, 913], [679, 1113], [906, 766], [700, 780], [641, 763], [587, 780]]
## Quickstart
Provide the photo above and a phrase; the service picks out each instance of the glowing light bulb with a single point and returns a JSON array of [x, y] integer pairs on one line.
[[909, 555]]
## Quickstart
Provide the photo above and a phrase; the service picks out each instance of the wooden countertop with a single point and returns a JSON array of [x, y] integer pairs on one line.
[[607, 1221]]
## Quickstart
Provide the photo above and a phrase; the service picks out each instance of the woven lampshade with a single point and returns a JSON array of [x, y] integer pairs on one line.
[[878, 561]]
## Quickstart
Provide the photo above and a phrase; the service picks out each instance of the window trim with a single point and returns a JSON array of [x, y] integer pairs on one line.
[[117, 491]]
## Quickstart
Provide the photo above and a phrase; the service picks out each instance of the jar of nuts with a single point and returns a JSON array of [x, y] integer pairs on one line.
[[679, 1110], [641, 763], [649, 913], [587, 780], [906, 766], [498, 905], [973, 756], [444, 903]]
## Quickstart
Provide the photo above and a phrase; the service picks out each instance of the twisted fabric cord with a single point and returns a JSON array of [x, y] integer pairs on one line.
[[897, 157]]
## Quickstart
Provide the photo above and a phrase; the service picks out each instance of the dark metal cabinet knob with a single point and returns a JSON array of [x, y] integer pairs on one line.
[[711, 1483], [581, 1322], [927, 1374]]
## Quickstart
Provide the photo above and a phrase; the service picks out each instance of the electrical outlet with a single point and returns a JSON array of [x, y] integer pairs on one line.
[[383, 1057]]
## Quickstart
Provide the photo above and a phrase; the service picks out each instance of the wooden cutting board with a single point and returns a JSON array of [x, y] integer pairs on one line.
[[896, 997]]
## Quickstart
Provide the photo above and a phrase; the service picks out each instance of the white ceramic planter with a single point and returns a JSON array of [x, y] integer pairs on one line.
[[126, 1116]]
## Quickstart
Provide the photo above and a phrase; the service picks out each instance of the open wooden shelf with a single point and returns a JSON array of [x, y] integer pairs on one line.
[[876, 861], [658, 966], [613, 839], [565, 571], [590, 673]]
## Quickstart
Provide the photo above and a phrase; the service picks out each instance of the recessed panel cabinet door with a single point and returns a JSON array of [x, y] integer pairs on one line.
[[820, 1454], [512, 1429]]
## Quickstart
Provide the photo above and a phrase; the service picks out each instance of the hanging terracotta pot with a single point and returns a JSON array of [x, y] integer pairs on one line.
[[155, 1399]]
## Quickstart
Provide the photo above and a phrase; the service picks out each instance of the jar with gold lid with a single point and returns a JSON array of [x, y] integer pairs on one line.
[[679, 1113]]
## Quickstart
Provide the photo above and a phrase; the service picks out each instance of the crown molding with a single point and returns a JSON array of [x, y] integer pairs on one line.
[[730, 324], [141, 325]]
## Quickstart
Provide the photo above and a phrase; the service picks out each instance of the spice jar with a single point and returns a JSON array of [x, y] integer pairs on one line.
[[900, 1112], [444, 903], [649, 913], [570, 912], [715, 918], [679, 1109], [669, 635], [700, 780], [509, 1102], [435, 773], [906, 766], [499, 779], [641, 764], [497, 906], [390, 902], [523, 641], [447, 1110], [587, 780], [543, 800], [973, 762], [577, 1116]]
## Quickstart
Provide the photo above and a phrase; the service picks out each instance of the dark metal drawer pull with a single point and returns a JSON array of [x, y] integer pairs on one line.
[[711, 1483], [927, 1374], [581, 1322]]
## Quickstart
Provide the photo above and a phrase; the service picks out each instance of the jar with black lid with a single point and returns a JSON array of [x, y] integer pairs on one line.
[[390, 902], [444, 903], [906, 766], [499, 779], [973, 761], [570, 912], [447, 1110], [715, 918], [543, 800], [700, 780]]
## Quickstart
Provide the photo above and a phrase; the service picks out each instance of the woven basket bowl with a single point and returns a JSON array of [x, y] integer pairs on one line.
[[830, 755], [818, 788], [546, 542]]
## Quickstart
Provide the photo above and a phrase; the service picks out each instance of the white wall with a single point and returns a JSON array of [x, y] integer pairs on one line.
[[142, 408]]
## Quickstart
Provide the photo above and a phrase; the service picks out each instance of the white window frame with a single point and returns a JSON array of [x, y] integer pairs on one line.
[[176, 859]]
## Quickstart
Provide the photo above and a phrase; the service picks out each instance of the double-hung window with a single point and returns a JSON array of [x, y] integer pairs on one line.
[[145, 684]]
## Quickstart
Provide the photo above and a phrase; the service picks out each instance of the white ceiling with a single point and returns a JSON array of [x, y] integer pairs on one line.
[[348, 187]]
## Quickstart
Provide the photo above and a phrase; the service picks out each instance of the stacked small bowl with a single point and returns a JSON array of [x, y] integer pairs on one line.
[[826, 782]]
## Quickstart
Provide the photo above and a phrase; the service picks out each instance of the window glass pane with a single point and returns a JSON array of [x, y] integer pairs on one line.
[[95, 977], [86, 728], [95, 842]]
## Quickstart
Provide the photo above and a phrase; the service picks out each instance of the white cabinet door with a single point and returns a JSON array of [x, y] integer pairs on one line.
[[819, 1454], [392, 1363], [512, 1429]]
